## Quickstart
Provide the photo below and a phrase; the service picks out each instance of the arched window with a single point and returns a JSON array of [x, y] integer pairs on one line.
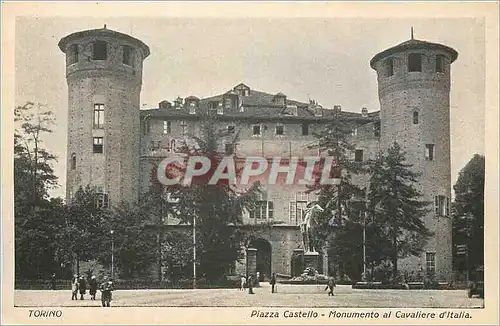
[[172, 145], [415, 117], [73, 161], [390, 67]]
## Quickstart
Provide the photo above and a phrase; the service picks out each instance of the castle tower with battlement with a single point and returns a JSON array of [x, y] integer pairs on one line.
[[414, 94], [104, 76]]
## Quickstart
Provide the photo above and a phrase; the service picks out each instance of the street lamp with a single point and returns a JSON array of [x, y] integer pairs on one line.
[[194, 251], [363, 201], [112, 254]]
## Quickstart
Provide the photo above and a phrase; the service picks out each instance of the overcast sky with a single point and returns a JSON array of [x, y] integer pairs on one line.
[[325, 59]]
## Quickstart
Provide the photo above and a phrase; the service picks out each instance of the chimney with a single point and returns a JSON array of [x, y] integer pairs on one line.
[[337, 108], [364, 112], [164, 105]]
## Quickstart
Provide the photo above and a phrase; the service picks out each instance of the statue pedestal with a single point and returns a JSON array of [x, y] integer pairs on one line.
[[311, 260], [297, 262]]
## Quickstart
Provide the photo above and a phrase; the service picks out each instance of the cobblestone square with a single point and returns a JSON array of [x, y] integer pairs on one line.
[[287, 296]]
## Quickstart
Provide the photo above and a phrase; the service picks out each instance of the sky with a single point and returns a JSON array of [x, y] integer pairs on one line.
[[325, 59]]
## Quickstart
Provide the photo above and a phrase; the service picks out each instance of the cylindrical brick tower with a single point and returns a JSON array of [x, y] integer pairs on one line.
[[414, 94], [104, 75]]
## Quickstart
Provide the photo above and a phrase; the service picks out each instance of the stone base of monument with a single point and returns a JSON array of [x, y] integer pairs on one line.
[[311, 260]]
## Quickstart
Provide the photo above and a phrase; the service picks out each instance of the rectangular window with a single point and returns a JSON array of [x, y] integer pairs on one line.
[[270, 210], [98, 116], [73, 54], [414, 62], [192, 108], [280, 129], [301, 211], [429, 152], [256, 130], [227, 103], [184, 128], [229, 149], [390, 67], [305, 129], [220, 110], [358, 155], [230, 129], [98, 144], [354, 132], [102, 201], [167, 127], [99, 50], [430, 263], [415, 117], [292, 212], [442, 206], [127, 55], [440, 63], [376, 129]]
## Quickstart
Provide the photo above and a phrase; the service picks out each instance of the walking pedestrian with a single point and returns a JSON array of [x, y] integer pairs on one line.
[[273, 282], [53, 281], [331, 285], [250, 284], [243, 282], [74, 288], [93, 287], [82, 287]]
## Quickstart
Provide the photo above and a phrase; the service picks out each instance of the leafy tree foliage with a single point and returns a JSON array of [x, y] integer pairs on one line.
[[217, 208], [37, 219], [468, 212], [396, 204]]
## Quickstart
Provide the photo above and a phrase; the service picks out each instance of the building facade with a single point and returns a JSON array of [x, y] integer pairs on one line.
[[113, 145]]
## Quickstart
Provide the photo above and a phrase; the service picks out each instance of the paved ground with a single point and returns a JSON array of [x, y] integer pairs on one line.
[[287, 296]]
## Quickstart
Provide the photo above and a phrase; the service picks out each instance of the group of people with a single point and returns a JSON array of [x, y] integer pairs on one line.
[[80, 285]]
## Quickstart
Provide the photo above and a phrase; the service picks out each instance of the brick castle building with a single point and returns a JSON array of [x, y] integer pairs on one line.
[[113, 144]]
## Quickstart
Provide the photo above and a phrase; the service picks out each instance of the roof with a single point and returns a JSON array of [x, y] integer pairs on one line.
[[413, 44], [260, 105], [103, 32]]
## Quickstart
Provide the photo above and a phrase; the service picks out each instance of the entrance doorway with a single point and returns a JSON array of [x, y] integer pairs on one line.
[[263, 258]]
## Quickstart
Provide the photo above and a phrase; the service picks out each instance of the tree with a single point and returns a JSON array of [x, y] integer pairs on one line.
[[334, 140], [217, 208], [396, 203], [84, 233], [37, 219], [468, 211], [132, 238]]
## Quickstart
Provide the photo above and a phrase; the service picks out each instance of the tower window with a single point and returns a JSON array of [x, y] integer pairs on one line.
[[167, 127], [305, 129], [98, 145], [358, 155], [429, 152], [414, 62], [440, 63], [127, 55], [101, 200], [99, 50], [256, 130], [390, 67], [280, 129], [415, 117], [430, 263], [442, 206], [73, 55], [98, 116], [73, 161]]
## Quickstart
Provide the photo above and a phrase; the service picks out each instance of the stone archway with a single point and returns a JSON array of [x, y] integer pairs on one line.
[[264, 255]]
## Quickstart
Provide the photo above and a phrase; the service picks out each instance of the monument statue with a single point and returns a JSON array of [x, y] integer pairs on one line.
[[309, 222]]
